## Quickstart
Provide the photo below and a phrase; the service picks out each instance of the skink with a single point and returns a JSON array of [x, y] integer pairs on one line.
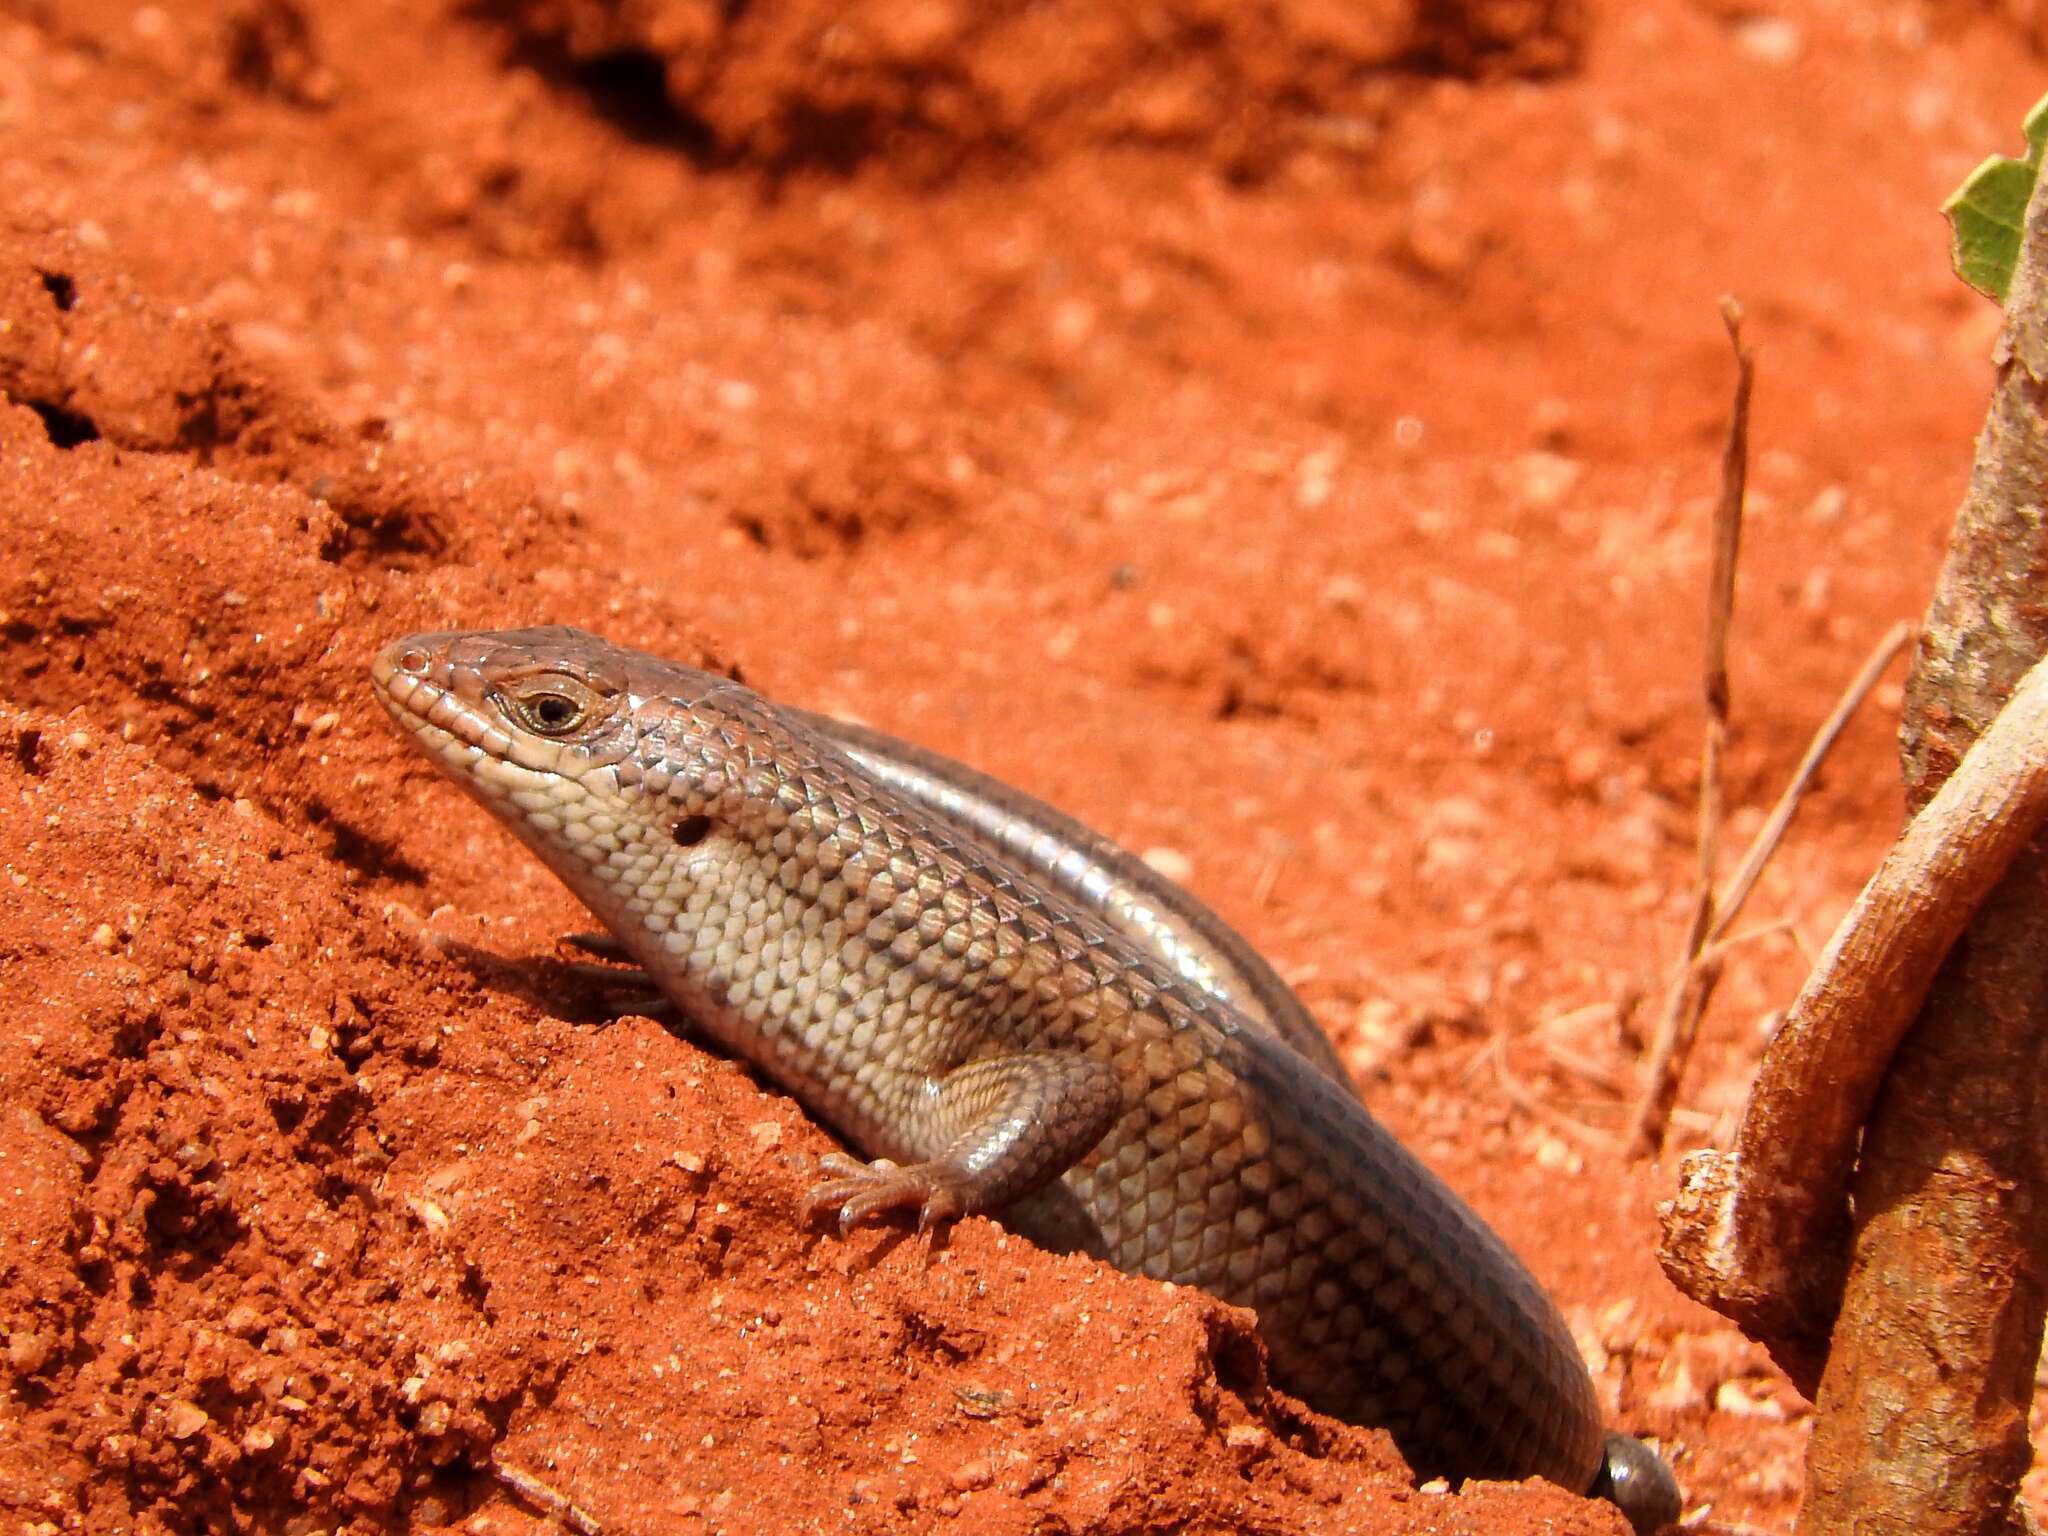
[[994, 1044]]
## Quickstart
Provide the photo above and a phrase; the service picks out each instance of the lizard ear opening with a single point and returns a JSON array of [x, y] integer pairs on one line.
[[691, 831]]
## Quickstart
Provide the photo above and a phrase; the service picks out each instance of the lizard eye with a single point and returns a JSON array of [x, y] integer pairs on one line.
[[556, 707]]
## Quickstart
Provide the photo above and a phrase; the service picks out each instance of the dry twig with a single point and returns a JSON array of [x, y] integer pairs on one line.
[[1513, 1090], [1693, 985], [556, 1506], [1766, 841], [1686, 998]]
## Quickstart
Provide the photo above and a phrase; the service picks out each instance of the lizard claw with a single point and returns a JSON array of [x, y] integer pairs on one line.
[[860, 1190], [601, 944]]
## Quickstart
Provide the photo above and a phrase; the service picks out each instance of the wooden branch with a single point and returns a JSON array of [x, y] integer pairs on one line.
[[1757, 1234], [1921, 1421]]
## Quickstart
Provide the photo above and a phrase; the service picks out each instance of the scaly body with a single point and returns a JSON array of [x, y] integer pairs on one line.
[[1053, 849], [995, 1045]]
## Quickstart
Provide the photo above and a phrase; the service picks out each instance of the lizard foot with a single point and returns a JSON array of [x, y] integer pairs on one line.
[[629, 989], [860, 1190], [624, 992]]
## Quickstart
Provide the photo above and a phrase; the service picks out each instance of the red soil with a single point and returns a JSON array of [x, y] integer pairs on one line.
[[1279, 433]]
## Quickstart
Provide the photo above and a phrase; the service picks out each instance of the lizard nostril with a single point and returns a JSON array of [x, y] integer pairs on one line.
[[413, 660]]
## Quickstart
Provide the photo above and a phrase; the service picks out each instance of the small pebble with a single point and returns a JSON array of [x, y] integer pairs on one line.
[[1170, 862]]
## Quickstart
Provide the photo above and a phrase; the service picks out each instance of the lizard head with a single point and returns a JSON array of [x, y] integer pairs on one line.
[[610, 764], [530, 696]]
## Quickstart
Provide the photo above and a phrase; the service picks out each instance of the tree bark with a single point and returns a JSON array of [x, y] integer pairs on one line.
[[1923, 1402]]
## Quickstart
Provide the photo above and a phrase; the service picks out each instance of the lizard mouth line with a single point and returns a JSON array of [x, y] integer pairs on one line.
[[455, 722], [430, 711]]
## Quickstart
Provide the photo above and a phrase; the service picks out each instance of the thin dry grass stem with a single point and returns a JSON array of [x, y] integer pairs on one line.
[[1571, 1018], [1494, 1052], [1768, 836], [1685, 1004], [1685, 999], [537, 1495], [1628, 1002], [1517, 1093], [1494, 1045], [1267, 880], [1584, 1067], [1594, 1112], [1604, 1075], [1700, 1120], [1722, 948]]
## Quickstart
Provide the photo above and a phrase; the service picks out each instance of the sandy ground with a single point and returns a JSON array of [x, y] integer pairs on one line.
[[1280, 433]]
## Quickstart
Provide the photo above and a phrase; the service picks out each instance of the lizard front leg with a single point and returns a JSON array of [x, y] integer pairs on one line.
[[1006, 1125]]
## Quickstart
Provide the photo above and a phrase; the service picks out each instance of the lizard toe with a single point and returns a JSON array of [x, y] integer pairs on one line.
[[864, 1190]]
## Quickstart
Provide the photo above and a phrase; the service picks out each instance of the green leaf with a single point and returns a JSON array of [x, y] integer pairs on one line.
[[1985, 213]]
